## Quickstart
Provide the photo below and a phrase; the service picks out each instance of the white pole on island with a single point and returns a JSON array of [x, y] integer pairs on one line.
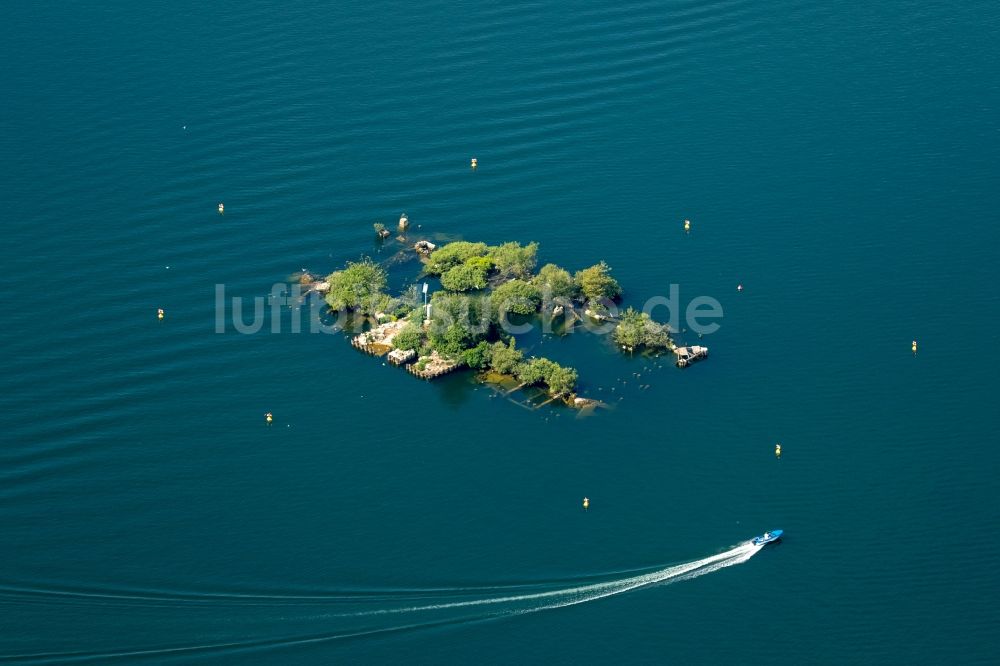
[[427, 306]]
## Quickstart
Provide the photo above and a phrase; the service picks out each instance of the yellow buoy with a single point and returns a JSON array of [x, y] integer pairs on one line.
[[222, 209], [268, 417], [586, 502], [475, 163], [687, 225], [159, 313], [914, 346], [777, 450]]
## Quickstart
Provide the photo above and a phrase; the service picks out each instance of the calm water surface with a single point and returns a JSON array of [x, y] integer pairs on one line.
[[839, 161]]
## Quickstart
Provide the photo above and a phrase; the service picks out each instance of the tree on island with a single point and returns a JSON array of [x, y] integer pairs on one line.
[[410, 337], [453, 254], [504, 358], [596, 283], [478, 357], [516, 296], [467, 276], [513, 260], [543, 371], [359, 286], [458, 322], [561, 380], [637, 329], [555, 282]]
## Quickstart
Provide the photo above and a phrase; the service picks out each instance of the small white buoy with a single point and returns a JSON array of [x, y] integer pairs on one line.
[[739, 287], [222, 209], [687, 225], [475, 163]]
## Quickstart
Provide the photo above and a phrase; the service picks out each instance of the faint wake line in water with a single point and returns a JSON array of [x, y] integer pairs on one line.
[[16, 593], [594, 591], [505, 606]]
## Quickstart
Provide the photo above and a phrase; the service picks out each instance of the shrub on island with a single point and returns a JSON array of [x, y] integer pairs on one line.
[[478, 357], [468, 276], [504, 358], [595, 283], [409, 338], [516, 296], [512, 260], [458, 322], [555, 282], [359, 287], [637, 329], [453, 254], [556, 378]]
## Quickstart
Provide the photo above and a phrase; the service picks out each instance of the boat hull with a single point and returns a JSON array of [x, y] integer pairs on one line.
[[767, 537]]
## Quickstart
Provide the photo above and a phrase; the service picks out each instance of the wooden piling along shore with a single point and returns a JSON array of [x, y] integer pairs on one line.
[[402, 357], [373, 348], [378, 341], [435, 366]]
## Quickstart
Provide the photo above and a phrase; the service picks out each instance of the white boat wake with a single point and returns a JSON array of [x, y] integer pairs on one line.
[[449, 607], [537, 601]]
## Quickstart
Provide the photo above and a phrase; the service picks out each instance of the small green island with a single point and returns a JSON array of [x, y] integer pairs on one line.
[[485, 293]]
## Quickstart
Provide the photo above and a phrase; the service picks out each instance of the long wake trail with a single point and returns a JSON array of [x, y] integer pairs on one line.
[[405, 616], [558, 598]]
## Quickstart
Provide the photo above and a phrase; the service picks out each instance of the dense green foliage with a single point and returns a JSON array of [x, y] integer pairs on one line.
[[453, 254], [478, 357], [464, 326], [513, 260], [409, 338], [516, 296], [557, 378], [466, 277], [596, 283], [637, 329], [457, 323], [561, 380], [532, 371], [630, 330], [359, 286], [505, 358], [555, 282]]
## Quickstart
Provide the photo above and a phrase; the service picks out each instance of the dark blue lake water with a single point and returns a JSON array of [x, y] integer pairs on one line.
[[837, 160]]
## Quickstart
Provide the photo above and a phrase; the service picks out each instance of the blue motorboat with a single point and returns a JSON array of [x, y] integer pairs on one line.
[[767, 537]]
